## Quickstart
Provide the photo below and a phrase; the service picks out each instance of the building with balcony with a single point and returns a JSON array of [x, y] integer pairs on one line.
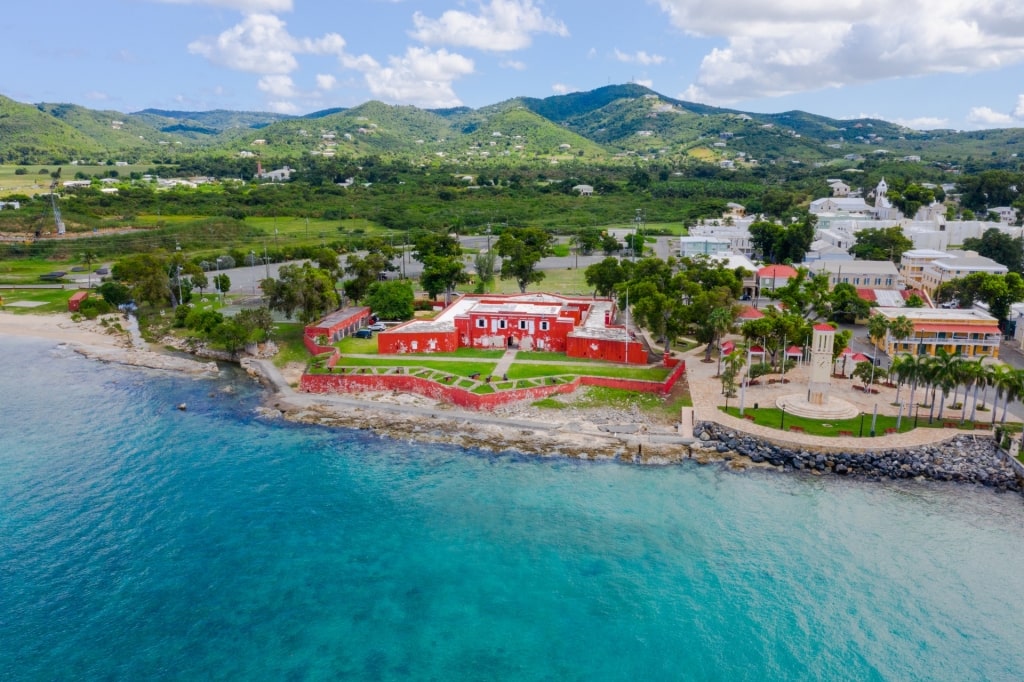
[[958, 264], [969, 333]]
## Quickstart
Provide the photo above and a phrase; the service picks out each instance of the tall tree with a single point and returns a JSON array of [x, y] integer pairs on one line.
[[301, 288], [521, 249], [1000, 247], [606, 275], [392, 300], [886, 243]]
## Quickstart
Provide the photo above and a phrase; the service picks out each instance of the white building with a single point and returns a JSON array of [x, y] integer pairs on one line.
[[873, 274], [693, 246], [737, 234], [959, 264]]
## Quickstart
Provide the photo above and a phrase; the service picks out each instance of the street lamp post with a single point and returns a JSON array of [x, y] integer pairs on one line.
[[252, 269]]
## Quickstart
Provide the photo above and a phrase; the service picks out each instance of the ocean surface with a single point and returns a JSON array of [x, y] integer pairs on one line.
[[139, 542]]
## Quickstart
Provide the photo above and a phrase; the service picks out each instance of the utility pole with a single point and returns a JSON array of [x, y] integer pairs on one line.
[[252, 269]]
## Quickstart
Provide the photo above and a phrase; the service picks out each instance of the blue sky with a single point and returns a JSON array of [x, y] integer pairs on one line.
[[926, 64]]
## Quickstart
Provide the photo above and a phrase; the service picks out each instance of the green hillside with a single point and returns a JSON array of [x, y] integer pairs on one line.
[[115, 133], [624, 122], [27, 134]]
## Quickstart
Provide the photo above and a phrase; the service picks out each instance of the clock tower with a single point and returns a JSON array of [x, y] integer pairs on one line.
[[822, 342]]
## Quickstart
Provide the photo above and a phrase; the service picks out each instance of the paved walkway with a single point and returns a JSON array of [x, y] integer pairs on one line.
[[501, 369], [706, 391]]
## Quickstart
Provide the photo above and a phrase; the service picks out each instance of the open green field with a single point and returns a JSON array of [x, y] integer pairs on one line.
[[569, 281], [858, 426], [37, 178], [46, 300]]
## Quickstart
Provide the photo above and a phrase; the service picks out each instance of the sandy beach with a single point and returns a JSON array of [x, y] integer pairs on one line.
[[590, 433], [110, 342]]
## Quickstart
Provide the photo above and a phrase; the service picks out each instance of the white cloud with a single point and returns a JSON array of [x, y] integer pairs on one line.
[[640, 57], [261, 44], [513, 64], [922, 122], [277, 85], [97, 96], [988, 117], [246, 6], [326, 81], [789, 46], [561, 88], [421, 77], [281, 107], [646, 82], [1018, 111], [501, 26]]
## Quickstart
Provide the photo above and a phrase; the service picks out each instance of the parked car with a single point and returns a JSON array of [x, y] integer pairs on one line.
[[377, 327], [364, 334]]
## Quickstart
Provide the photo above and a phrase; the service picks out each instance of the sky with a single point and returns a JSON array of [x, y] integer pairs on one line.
[[924, 64]]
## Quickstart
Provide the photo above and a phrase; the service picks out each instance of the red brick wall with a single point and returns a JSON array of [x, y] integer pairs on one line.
[[316, 349], [355, 383], [390, 343], [606, 349]]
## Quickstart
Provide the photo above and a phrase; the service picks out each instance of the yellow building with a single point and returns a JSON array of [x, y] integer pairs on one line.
[[968, 333]]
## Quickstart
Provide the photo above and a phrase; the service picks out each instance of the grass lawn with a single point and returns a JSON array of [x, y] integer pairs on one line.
[[462, 369], [34, 182], [569, 281], [28, 271], [615, 398], [773, 418], [522, 370], [52, 300], [288, 338]]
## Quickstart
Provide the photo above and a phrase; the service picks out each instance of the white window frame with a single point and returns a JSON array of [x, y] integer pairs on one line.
[[523, 325], [481, 323], [502, 324], [545, 325]]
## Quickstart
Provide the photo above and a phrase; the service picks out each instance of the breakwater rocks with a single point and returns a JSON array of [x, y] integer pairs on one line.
[[963, 459]]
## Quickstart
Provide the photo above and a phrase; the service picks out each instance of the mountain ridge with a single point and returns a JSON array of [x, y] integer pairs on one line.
[[614, 121]]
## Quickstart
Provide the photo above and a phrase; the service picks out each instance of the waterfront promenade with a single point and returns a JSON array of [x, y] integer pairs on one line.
[[706, 391]]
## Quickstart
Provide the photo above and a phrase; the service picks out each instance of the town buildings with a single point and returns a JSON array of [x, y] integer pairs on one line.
[[970, 333]]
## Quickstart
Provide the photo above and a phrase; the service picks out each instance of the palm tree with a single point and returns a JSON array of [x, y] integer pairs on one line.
[[899, 369], [720, 323], [987, 380], [947, 375], [974, 376], [878, 327], [938, 373], [1001, 379], [901, 328], [913, 369], [1013, 390]]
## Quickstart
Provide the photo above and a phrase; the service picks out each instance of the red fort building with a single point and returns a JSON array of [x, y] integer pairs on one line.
[[580, 327]]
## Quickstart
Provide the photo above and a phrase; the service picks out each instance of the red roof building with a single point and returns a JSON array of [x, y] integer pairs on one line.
[[749, 312], [580, 327], [772, 277]]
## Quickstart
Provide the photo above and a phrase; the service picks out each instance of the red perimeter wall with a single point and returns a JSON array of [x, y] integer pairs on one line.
[[355, 383]]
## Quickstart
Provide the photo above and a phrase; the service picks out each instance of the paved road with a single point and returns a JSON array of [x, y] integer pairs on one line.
[[245, 279]]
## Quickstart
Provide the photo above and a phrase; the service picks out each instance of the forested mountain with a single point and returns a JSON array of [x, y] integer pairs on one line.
[[625, 122]]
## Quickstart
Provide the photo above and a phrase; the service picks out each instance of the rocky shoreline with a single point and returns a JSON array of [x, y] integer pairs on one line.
[[969, 459]]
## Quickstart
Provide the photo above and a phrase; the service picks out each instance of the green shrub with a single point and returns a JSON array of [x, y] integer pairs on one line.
[[91, 308]]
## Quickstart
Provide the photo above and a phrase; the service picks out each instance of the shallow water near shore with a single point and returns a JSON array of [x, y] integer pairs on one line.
[[138, 541]]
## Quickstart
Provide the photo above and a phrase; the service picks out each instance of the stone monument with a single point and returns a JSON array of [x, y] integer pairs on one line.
[[822, 343], [818, 404]]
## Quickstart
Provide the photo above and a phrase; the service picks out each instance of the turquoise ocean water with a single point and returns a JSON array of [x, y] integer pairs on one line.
[[139, 542]]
